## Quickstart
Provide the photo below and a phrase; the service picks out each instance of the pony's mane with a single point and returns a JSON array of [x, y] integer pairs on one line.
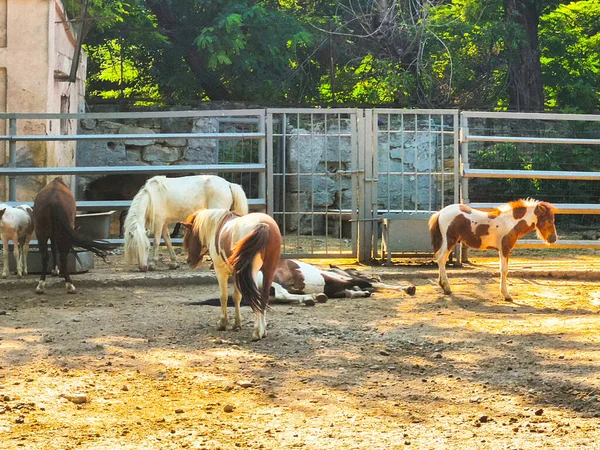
[[520, 203], [207, 221]]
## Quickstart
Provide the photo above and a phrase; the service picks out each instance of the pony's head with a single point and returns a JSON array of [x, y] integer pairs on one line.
[[137, 246], [545, 228], [192, 241]]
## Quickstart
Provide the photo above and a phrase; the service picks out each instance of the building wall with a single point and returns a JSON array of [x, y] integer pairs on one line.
[[37, 44]]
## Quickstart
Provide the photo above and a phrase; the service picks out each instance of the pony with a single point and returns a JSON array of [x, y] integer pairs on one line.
[[16, 224], [297, 282], [498, 229], [163, 200], [238, 245], [54, 211]]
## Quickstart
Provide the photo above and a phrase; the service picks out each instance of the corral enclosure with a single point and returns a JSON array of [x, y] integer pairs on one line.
[[130, 362]]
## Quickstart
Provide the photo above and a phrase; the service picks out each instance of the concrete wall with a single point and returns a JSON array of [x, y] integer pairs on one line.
[[37, 44]]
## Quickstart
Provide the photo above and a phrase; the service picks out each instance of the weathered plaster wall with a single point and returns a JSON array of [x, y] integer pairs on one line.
[[36, 44]]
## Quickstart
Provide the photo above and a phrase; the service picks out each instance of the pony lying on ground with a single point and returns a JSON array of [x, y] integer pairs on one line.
[[54, 211], [498, 229], [297, 282], [16, 224], [163, 200], [242, 246]]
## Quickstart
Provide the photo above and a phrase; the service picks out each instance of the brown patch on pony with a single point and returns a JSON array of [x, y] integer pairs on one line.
[[509, 240], [519, 212], [460, 230], [482, 230], [288, 274], [466, 209]]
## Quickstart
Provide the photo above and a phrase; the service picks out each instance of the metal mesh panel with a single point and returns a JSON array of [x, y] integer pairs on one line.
[[313, 192], [416, 161]]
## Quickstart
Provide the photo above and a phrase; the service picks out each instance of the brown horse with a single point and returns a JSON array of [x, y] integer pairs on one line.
[[54, 211], [498, 229], [242, 246]]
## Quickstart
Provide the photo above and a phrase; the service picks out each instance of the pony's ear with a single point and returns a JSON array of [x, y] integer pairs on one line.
[[188, 225], [2, 212]]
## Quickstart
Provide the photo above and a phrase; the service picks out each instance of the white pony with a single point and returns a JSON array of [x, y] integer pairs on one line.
[[16, 224], [164, 200]]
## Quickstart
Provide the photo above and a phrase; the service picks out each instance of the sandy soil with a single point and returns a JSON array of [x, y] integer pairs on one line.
[[467, 371]]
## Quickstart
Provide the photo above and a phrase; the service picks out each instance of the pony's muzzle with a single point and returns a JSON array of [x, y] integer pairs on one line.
[[552, 238], [143, 268]]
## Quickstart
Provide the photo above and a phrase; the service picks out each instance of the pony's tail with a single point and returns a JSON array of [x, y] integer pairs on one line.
[[134, 233], [241, 260], [240, 201], [435, 232], [98, 247]]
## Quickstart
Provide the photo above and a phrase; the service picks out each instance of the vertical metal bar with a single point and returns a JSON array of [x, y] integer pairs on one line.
[[373, 148], [269, 160], [284, 176], [457, 173], [389, 161], [430, 157], [356, 180], [366, 237], [442, 165], [263, 192], [462, 252], [12, 160], [403, 175], [312, 184], [415, 164]]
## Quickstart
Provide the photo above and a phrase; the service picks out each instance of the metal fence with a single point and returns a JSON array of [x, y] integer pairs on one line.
[[354, 183], [510, 155]]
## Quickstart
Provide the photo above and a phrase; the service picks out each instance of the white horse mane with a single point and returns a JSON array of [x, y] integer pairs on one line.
[[527, 203], [207, 221]]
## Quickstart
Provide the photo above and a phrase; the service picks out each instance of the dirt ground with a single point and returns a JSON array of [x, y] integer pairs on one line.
[[466, 371]]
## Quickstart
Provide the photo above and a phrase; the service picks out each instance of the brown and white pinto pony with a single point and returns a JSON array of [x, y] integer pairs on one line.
[[498, 229], [16, 224], [299, 282], [54, 211], [238, 245]]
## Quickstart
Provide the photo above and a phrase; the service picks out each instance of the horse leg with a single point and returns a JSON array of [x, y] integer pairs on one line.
[[222, 277], [43, 245], [24, 252], [4, 239], [260, 323], [155, 246], [173, 265], [503, 276], [282, 295], [64, 271], [17, 255], [237, 299], [54, 271]]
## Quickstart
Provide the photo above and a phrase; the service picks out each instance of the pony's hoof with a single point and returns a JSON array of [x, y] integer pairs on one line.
[[54, 273], [309, 302], [71, 289], [39, 288], [222, 325], [19, 275], [3, 275], [508, 298], [173, 266], [151, 267], [411, 290], [447, 292], [321, 298]]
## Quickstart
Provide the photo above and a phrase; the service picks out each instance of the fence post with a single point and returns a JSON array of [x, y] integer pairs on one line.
[[462, 253], [12, 160], [365, 211]]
